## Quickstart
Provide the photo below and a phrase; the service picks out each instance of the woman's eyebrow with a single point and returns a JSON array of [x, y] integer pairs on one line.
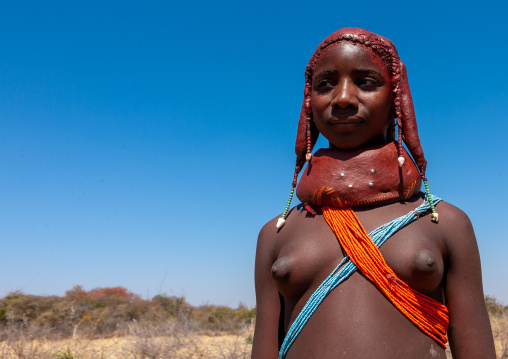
[[367, 72], [326, 73], [357, 71]]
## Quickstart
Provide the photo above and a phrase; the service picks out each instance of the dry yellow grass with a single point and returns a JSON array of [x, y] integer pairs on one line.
[[187, 347], [500, 331]]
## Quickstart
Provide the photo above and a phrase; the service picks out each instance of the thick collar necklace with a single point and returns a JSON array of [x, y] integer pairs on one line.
[[361, 177]]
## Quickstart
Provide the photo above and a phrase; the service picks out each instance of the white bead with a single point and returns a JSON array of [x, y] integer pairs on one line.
[[371, 184], [308, 157], [350, 186], [435, 217], [401, 161], [342, 174], [280, 223], [373, 171]]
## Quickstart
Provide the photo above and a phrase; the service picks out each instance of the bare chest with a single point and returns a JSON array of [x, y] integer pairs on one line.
[[308, 252]]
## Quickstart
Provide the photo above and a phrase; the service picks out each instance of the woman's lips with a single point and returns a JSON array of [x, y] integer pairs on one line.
[[346, 124], [345, 121]]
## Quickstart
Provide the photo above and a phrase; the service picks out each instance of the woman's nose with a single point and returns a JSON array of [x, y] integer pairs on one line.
[[345, 95]]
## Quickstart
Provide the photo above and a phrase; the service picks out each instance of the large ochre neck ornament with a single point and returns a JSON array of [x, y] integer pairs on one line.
[[357, 178]]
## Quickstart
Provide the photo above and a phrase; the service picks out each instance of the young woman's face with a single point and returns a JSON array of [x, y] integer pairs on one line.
[[351, 96]]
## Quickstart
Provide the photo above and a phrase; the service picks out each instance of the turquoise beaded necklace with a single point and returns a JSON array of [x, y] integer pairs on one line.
[[346, 268]]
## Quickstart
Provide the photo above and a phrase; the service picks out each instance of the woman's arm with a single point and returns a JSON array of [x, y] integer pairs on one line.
[[469, 332], [268, 308]]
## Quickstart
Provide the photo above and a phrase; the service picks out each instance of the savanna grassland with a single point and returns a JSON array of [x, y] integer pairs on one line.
[[115, 323]]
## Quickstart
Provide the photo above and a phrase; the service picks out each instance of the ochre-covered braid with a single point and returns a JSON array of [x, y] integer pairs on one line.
[[426, 313], [308, 117]]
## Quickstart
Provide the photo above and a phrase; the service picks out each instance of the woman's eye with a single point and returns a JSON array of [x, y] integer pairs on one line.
[[324, 84], [367, 82]]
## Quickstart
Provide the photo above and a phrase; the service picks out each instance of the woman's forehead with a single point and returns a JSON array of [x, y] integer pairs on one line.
[[347, 54]]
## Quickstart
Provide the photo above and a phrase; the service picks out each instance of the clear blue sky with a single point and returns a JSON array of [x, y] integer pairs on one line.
[[144, 144]]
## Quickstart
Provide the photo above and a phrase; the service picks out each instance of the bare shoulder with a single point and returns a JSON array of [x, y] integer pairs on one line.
[[451, 213], [269, 234], [456, 228], [267, 237], [269, 229]]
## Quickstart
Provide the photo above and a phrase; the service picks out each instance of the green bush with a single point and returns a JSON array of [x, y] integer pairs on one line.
[[65, 354], [494, 307]]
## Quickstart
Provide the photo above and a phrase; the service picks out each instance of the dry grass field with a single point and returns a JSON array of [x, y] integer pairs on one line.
[[144, 342], [168, 342], [111, 323], [500, 331], [114, 323]]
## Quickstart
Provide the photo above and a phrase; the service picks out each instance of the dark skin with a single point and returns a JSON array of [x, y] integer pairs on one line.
[[352, 108]]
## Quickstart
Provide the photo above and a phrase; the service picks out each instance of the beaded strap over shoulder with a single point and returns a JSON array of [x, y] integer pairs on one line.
[[345, 268]]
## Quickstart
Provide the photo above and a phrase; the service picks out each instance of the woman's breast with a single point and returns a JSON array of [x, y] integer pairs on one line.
[[308, 255], [416, 259]]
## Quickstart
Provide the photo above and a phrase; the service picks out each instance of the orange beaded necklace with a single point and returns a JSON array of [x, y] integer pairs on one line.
[[426, 313]]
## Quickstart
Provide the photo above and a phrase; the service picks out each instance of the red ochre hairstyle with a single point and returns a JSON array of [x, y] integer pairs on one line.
[[308, 133], [402, 102]]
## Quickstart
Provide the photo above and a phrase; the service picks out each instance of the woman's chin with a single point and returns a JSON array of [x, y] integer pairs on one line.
[[352, 144]]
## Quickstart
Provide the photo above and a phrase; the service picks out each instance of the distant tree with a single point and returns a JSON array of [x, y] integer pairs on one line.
[[77, 292], [172, 305], [494, 307]]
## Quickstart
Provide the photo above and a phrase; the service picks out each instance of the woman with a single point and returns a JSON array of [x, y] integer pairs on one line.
[[324, 289]]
